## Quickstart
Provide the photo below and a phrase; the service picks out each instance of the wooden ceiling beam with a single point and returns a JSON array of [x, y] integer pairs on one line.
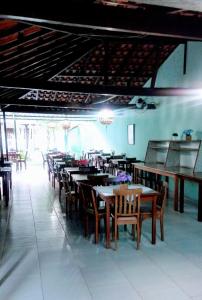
[[60, 104], [43, 110], [150, 21], [96, 89]]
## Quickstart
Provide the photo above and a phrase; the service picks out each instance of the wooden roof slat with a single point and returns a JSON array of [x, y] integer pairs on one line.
[[26, 44], [49, 69], [43, 64], [7, 24], [15, 36], [34, 50], [19, 27], [59, 51]]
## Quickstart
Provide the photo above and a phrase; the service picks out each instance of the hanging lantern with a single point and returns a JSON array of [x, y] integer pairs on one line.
[[106, 117], [51, 125], [66, 125]]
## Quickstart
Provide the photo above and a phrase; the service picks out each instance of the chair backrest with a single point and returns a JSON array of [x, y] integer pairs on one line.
[[83, 162], [88, 170], [97, 179], [123, 186], [127, 202], [21, 155], [25, 157], [117, 156], [131, 159], [50, 165], [162, 188], [121, 164], [12, 156], [65, 182], [88, 196]]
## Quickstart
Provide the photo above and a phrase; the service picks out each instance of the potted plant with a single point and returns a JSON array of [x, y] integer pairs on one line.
[[188, 134], [123, 177]]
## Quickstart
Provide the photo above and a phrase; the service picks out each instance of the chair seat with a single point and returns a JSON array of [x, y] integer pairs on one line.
[[125, 219]]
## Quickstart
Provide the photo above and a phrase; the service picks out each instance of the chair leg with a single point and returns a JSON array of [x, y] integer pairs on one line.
[[60, 190], [96, 230], [133, 231], [85, 225], [49, 177], [138, 235], [53, 181], [115, 234], [70, 205], [113, 231], [75, 203], [140, 228], [162, 228], [66, 205]]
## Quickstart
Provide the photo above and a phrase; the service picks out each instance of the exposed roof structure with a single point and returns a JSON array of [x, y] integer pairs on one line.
[[75, 62]]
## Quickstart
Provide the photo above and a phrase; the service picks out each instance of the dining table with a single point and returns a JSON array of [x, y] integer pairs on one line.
[[84, 177], [107, 195]]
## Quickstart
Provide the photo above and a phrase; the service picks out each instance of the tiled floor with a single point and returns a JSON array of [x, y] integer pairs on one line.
[[46, 257]]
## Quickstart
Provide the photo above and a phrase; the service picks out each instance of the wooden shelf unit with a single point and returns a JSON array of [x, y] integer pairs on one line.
[[157, 152], [175, 154]]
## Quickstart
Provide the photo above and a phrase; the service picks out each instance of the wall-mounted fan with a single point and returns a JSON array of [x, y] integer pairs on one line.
[[142, 104]]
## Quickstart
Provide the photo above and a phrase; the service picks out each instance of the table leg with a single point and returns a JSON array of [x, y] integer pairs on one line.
[[181, 195], [154, 220], [135, 175], [176, 181], [200, 202], [6, 185], [107, 224]]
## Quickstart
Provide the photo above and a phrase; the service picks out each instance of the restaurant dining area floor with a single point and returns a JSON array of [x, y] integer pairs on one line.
[[44, 255]]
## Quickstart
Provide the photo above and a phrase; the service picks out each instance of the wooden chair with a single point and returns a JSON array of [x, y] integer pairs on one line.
[[70, 196], [91, 208], [22, 159], [127, 211], [146, 211]]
